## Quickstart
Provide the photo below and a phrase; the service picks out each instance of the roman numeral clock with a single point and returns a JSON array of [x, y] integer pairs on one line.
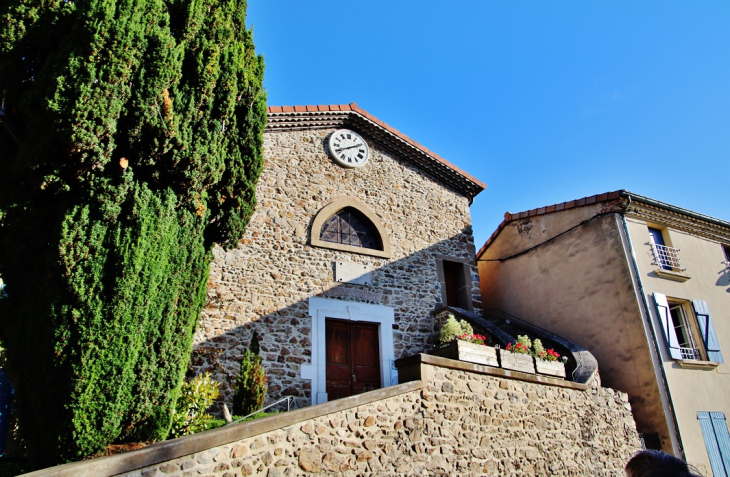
[[348, 148]]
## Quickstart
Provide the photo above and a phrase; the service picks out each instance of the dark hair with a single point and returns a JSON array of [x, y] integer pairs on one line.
[[652, 463]]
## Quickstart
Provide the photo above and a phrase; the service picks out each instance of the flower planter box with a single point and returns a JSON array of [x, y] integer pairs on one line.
[[517, 362], [469, 352], [550, 368]]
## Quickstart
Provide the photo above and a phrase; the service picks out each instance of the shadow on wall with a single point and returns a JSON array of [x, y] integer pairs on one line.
[[275, 302], [724, 279]]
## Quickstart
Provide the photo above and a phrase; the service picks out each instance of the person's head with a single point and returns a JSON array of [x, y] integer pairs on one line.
[[652, 463]]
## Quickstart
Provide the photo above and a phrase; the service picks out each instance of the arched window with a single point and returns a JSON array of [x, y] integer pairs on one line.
[[350, 227]]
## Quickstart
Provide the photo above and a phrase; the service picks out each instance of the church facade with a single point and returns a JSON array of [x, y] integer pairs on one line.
[[360, 233]]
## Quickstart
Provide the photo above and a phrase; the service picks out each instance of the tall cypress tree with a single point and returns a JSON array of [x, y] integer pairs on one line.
[[131, 141]]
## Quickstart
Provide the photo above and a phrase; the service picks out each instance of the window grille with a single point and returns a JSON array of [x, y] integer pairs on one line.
[[690, 353], [350, 227], [666, 257]]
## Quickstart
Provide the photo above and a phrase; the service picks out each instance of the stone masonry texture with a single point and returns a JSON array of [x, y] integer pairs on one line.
[[461, 423], [265, 282]]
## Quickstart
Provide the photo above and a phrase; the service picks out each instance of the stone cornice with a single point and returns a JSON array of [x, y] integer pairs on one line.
[[678, 221], [298, 118]]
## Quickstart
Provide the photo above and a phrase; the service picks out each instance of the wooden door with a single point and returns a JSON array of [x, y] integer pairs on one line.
[[353, 358]]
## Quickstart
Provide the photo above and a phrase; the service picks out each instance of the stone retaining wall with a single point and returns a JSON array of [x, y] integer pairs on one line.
[[465, 421]]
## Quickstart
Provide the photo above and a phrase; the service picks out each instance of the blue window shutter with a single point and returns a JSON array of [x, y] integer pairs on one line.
[[670, 335], [713, 448], [709, 337], [723, 438]]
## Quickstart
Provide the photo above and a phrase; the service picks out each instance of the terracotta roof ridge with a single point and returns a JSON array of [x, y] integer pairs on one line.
[[353, 107], [509, 217], [569, 204]]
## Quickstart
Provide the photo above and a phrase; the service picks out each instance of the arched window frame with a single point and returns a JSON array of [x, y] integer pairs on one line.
[[329, 210]]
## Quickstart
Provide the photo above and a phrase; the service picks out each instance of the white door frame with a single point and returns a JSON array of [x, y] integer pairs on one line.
[[322, 308]]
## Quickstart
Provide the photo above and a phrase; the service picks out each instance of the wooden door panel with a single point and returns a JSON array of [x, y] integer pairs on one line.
[[365, 357], [339, 366], [353, 358]]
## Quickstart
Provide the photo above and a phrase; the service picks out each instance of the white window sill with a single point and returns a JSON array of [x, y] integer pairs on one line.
[[672, 275], [696, 364]]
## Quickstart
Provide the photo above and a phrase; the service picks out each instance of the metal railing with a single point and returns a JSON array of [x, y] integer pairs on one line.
[[690, 353], [288, 400], [667, 257]]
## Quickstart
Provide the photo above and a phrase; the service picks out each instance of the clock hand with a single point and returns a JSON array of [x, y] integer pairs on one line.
[[345, 148]]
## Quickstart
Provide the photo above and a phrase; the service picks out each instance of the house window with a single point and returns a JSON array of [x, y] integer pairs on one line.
[[667, 258], [726, 249], [350, 227], [650, 440], [684, 331], [688, 336], [456, 282], [717, 441]]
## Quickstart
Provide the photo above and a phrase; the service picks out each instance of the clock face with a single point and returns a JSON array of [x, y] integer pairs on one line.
[[348, 148]]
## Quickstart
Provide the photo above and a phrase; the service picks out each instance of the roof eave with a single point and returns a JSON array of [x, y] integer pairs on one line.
[[292, 118]]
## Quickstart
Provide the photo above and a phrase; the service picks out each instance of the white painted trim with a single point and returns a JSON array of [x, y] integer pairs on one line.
[[323, 308]]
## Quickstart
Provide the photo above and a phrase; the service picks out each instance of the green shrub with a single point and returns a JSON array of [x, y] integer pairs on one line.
[[196, 396], [453, 328], [250, 385]]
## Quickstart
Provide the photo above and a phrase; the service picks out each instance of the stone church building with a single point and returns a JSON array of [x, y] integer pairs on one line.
[[360, 233]]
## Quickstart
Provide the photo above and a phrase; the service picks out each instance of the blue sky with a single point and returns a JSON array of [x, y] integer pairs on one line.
[[543, 101]]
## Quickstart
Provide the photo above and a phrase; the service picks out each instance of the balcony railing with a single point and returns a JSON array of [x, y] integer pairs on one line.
[[690, 353], [667, 257]]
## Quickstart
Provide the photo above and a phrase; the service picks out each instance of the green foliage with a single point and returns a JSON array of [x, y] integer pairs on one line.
[[525, 341], [131, 143], [196, 396], [538, 349], [250, 392], [452, 328]]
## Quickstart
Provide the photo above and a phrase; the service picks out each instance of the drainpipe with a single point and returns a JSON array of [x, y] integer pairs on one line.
[[667, 403]]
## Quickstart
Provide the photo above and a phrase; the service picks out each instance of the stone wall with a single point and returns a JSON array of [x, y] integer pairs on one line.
[[465, 421], [264, 284]]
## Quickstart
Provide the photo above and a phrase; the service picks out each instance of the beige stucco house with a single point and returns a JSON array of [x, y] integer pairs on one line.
[[645, 287], [359, 233]]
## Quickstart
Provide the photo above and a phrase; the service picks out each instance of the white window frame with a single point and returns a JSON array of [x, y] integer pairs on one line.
[[686, 331]]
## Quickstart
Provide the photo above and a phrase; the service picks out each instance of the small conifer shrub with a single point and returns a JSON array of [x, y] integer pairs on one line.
[[251, 384]]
